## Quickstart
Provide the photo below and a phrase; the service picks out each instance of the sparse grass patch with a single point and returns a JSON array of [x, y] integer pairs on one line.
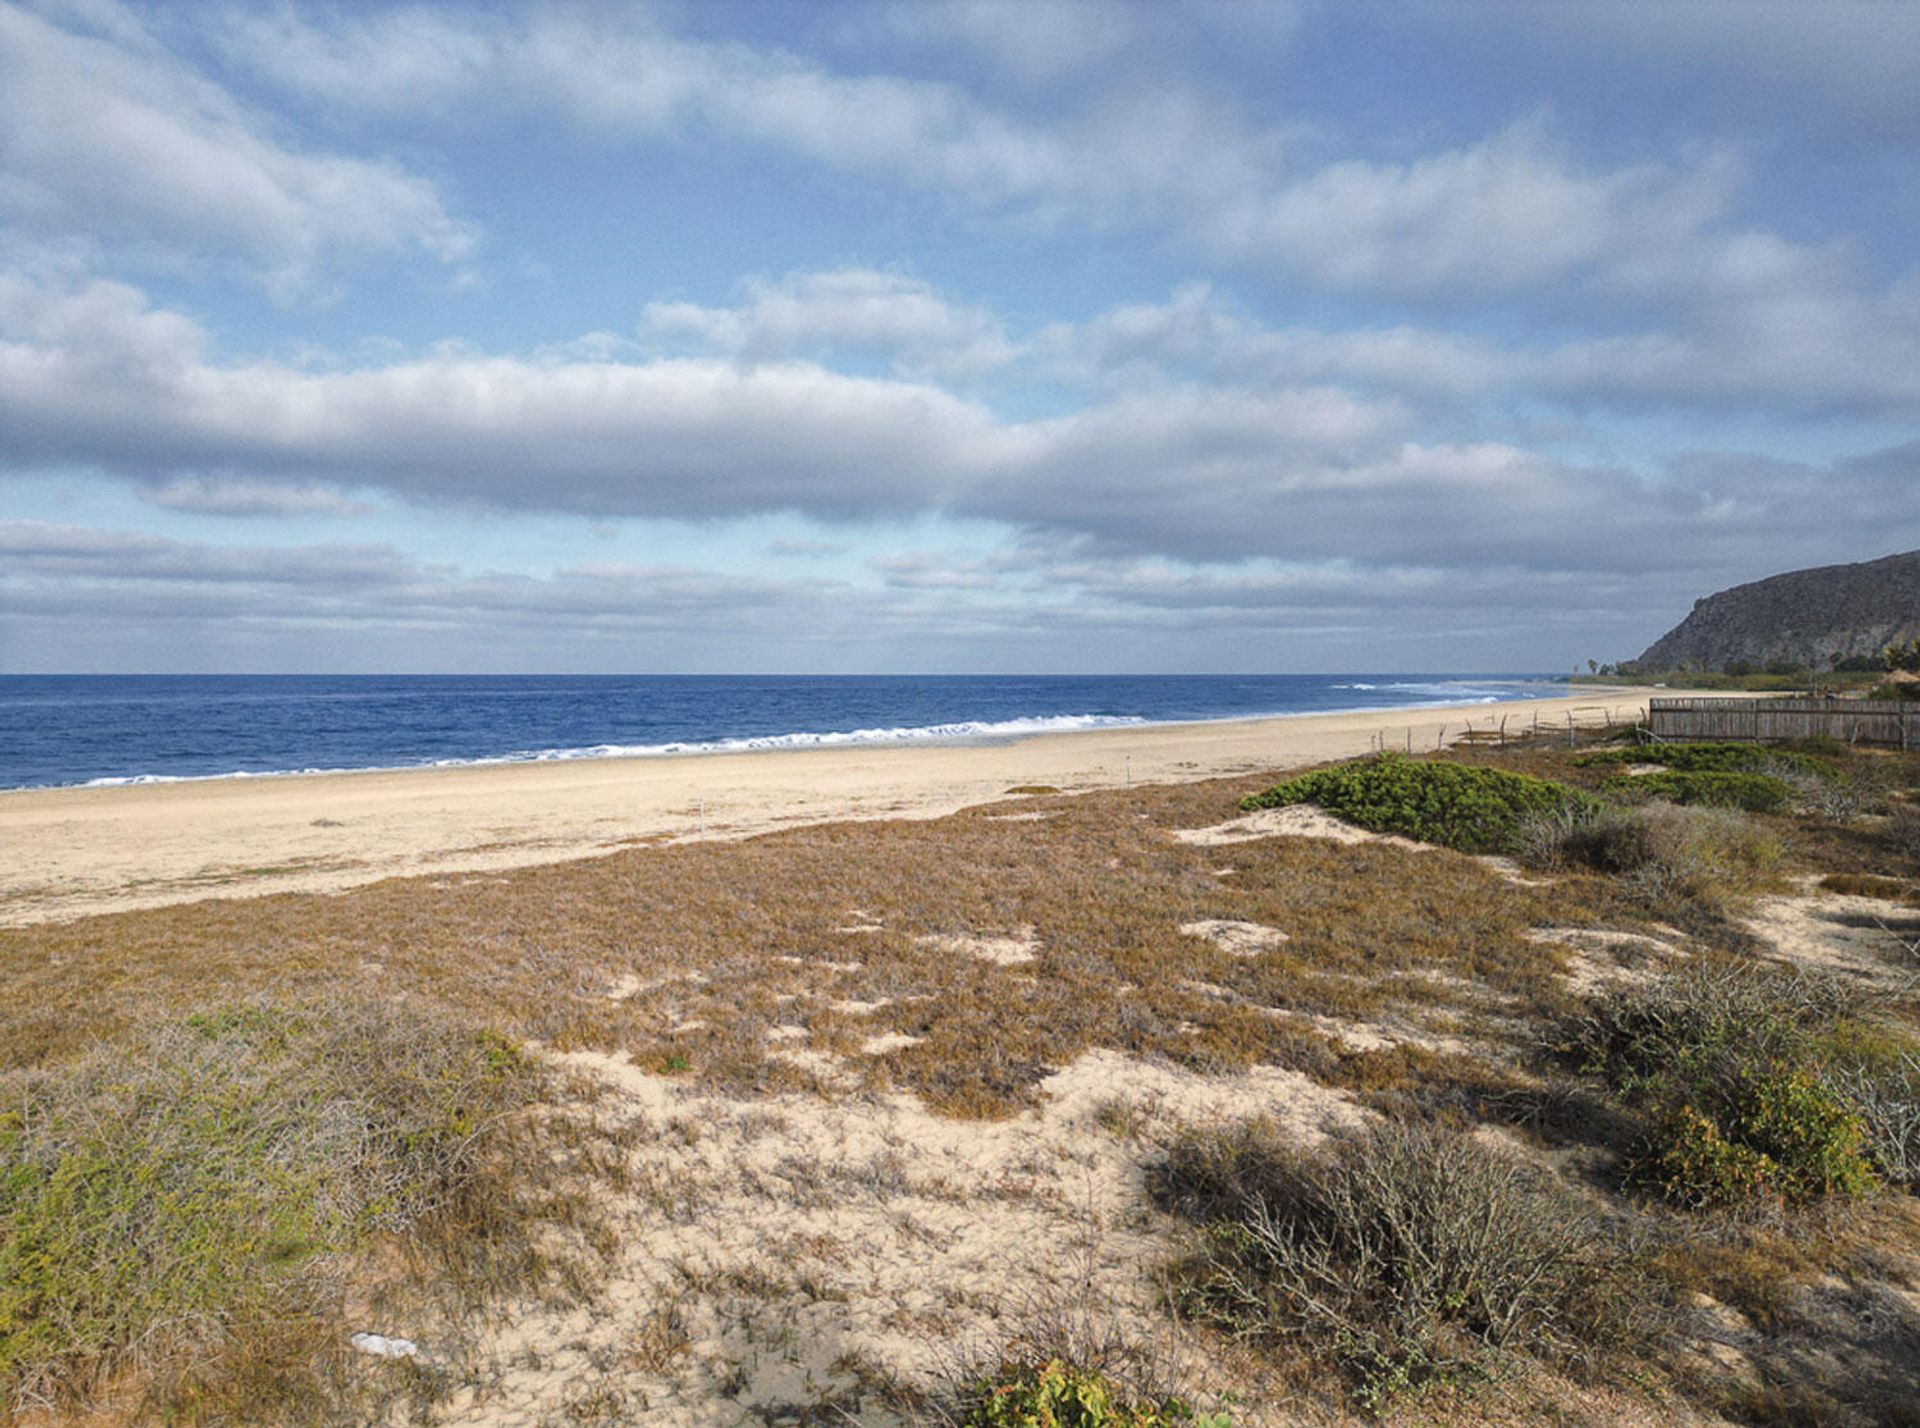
[[186, 1208], [1665, 854], [1474, 809], [1031, 788], [1410, 1256], [1868, 885]]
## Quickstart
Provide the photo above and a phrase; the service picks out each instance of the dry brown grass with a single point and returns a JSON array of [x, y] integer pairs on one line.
[[689, 957]]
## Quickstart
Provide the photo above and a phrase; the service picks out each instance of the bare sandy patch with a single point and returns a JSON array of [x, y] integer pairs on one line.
[[1298, 820], [781, 1257], [1862, 937], [1236, 939], [1008, 949], [1363, 1036], [1599, 956]]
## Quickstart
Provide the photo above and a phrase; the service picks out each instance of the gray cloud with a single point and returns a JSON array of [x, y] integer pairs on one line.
[[119, 598], [1201, 472], [211, 496]]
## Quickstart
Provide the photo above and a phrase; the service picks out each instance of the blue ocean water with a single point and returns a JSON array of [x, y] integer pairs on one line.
[[81, 729]]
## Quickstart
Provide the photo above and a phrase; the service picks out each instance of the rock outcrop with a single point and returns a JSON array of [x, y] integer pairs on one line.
[[1805, 617]]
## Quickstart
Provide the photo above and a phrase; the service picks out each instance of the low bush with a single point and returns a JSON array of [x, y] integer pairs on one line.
[[187, 1205], [1868, 885], [1473, 809], [1753, 793], [1716, 758], [1667, 854], [1754, 1129], [1060, 1395], [1729, 1065], [1408, 1255]]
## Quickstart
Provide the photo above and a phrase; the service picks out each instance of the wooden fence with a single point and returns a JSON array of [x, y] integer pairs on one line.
[[1895, 723]]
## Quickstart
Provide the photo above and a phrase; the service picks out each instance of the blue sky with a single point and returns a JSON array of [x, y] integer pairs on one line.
[[1421, 334]]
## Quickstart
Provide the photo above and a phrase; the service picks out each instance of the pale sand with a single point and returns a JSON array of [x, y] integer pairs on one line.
[[73, 852], [798, 1244]]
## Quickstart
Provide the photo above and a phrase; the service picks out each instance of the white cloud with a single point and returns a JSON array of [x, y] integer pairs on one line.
[[852, 309], [108, 142]]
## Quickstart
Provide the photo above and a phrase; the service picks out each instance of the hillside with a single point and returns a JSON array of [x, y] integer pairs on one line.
[[1806, 617]]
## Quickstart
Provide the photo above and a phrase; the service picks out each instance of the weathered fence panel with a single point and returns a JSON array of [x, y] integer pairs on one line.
[[1765, 721]]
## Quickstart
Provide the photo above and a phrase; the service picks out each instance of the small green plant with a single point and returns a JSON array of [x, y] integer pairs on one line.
[[1473, 809], [1060, 1395], [1756, 1129], [1752, 793]]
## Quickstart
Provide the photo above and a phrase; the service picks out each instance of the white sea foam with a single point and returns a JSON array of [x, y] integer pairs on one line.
[[968, 732], [972, 731]]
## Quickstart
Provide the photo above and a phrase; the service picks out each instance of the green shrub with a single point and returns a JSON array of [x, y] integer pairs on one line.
[[1059, 1395], [1473, 809], [1714, 758], [194, 1196], [1731, 1066], [1753, 793], [1755, 1129], [1408, 1255]]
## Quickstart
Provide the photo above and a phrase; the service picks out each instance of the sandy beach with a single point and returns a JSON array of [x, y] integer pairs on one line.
[[73, 852]]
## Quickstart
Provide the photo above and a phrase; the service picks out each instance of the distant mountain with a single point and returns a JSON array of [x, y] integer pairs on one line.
[[1806, 617]]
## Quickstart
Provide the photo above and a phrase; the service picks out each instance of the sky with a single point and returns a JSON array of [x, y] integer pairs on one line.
[[1046, 336]]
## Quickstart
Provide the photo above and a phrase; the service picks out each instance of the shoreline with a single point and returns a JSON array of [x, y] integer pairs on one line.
[[80, 850], [800, 742]]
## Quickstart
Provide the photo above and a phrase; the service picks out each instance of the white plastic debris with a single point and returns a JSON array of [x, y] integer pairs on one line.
[[383, 1347]]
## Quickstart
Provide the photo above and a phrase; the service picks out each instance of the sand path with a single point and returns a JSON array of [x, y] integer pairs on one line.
[[74, 852]]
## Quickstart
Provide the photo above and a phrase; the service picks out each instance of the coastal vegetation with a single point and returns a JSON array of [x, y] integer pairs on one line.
[[1166, 1108], [1756, 793], [1472, 809]]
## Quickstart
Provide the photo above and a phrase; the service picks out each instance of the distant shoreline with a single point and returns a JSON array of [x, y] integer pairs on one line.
[[932, 737], [109, 731], [86, 850]]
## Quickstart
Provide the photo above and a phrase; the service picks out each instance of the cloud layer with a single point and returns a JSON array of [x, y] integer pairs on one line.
[[1214, 347]]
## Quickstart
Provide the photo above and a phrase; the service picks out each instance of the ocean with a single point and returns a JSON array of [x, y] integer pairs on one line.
[[112, 729]]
